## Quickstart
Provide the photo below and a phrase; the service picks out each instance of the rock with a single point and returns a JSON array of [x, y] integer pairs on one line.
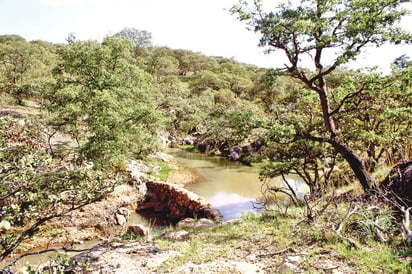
[[178, 235], [120, 219], [212, 213], [174, 200], [156, 170], [123, 211], [287, 267], [399, 182], [201, 223], [290, 265], [189, 140], [161, 156], [138, 230], [137, 170], [188, 222]]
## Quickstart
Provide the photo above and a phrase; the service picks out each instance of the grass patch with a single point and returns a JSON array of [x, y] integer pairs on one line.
[[377, 258], [165, 169], [190, 148], [272, 237]]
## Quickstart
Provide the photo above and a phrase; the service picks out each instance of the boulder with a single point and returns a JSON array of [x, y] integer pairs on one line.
[[174, 201], [231, 222], [138, 230], [120, 258], [399, 183]]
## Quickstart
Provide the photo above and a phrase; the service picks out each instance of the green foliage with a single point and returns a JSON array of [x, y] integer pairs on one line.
[[375, 117], [34, 188], [344, 27], [191, 63], [23, 68], [106, 103]]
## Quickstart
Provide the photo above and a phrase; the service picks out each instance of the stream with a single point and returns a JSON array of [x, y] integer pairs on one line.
[[229, 186]]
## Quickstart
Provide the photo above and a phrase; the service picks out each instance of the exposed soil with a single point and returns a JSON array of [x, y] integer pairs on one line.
[[183, 176]]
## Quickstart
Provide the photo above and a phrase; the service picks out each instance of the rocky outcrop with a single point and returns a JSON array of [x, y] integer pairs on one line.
[[176, 202]]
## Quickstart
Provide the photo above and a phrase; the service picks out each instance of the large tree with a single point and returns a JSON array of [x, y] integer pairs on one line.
[[318, 29], [104, 101]]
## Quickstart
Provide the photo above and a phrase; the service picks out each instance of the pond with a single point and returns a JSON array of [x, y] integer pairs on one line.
[[229, 186]]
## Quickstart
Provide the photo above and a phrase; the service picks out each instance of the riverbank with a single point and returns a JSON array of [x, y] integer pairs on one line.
[[258, 243], [99, 221], [272, 242]]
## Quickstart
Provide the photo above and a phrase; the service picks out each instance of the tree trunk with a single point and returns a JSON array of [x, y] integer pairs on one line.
[[356, 163]]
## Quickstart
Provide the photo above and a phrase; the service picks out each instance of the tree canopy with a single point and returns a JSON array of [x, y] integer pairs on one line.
[[311, 28]]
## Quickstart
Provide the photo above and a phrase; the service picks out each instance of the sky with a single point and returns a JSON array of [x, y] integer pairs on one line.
[[204, 26]]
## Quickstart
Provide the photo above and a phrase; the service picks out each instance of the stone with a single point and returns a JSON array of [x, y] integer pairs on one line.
[[164, 157], [178, 235], [120, 219], [287, 267], [188, 222], [203, 223], [290, 265], [138, 230], [123, 211], [222, 266], [212, 213]]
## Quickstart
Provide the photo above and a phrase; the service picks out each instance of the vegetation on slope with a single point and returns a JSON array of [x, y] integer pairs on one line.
[[331, 126]]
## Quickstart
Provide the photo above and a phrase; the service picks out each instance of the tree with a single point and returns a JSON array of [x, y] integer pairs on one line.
[[11, 38], [313, 29], [34, 188], [139, 38], [141, 43], [106, 103], [23, 67], [402, 61], [161, 62], [190, 62], [16, 59]]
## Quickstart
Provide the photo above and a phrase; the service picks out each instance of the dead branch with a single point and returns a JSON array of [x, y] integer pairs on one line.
[[289, 249], [406, 222], [338, 230], [379, 230]]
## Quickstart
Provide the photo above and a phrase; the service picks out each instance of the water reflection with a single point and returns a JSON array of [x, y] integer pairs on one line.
[[229, 186]]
